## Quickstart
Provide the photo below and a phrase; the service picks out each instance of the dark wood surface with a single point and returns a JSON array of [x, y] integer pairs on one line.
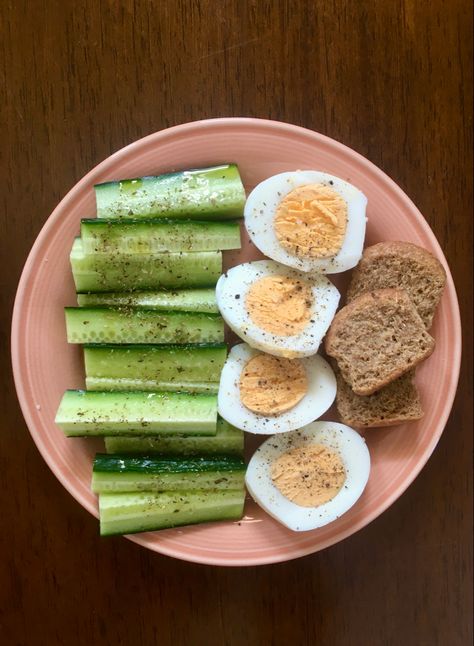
[[79, 80]]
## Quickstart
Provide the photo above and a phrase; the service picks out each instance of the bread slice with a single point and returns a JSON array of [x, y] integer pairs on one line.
[[396, 403], [376, 338], [403, 265]]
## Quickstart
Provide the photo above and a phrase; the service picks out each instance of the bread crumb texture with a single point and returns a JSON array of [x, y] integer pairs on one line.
[[376, 338]]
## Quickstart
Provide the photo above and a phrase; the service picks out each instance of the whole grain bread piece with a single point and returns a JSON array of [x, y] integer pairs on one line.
[[403, 265], [396, 403], [376, 338]]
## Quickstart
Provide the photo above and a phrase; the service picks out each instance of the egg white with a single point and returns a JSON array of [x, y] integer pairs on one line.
[[231, 292], [342, 439], [321, 394], [260, 210]]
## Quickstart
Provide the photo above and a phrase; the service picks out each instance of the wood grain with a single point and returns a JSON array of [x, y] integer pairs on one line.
[[393, 80]]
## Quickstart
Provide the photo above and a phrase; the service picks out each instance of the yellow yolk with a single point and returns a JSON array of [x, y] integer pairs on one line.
[[311, 221], [309, 476], [280, 305], [271, 385]]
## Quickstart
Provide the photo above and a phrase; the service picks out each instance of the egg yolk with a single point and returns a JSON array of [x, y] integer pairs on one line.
[[311, 221], [272, 385], [280, 305], [309, 476]]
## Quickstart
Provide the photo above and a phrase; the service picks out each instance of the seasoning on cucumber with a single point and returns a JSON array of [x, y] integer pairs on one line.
[[188, 367], [123, 325], [227, 440], [122, 473], [158, 236], [117, 271], [214, 193], [185, 300], [144, 511], [89, 413]]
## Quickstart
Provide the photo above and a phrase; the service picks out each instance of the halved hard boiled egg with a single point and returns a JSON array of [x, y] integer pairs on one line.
[[277, 309], [310, 477], [308, 220], [263, 394]]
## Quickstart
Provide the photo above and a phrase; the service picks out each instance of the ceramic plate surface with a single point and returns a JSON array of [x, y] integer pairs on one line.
[[45, 365]]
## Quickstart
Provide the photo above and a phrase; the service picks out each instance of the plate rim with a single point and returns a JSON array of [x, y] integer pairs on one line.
[[20, 380]]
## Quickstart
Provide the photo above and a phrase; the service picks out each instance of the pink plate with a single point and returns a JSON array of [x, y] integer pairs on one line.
[[45, 365]]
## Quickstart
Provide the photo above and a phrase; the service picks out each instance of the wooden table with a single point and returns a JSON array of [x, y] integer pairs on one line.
[[391, 79]]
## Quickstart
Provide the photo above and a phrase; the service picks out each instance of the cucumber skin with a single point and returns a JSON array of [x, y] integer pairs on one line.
[[154, 511], [213, 193], [91, 413], [106, 463], [185, 300], [128, 272], [157, 236], [131, 324], [125, 473]]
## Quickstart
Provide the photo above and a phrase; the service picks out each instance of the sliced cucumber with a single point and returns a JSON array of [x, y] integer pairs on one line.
[[109, 325], [214, 193], [158, 236], [82, 413], [110, 384], [128, 513], [192, 368], [227, 440], [107, 272], [121, 473], [185, 300]]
